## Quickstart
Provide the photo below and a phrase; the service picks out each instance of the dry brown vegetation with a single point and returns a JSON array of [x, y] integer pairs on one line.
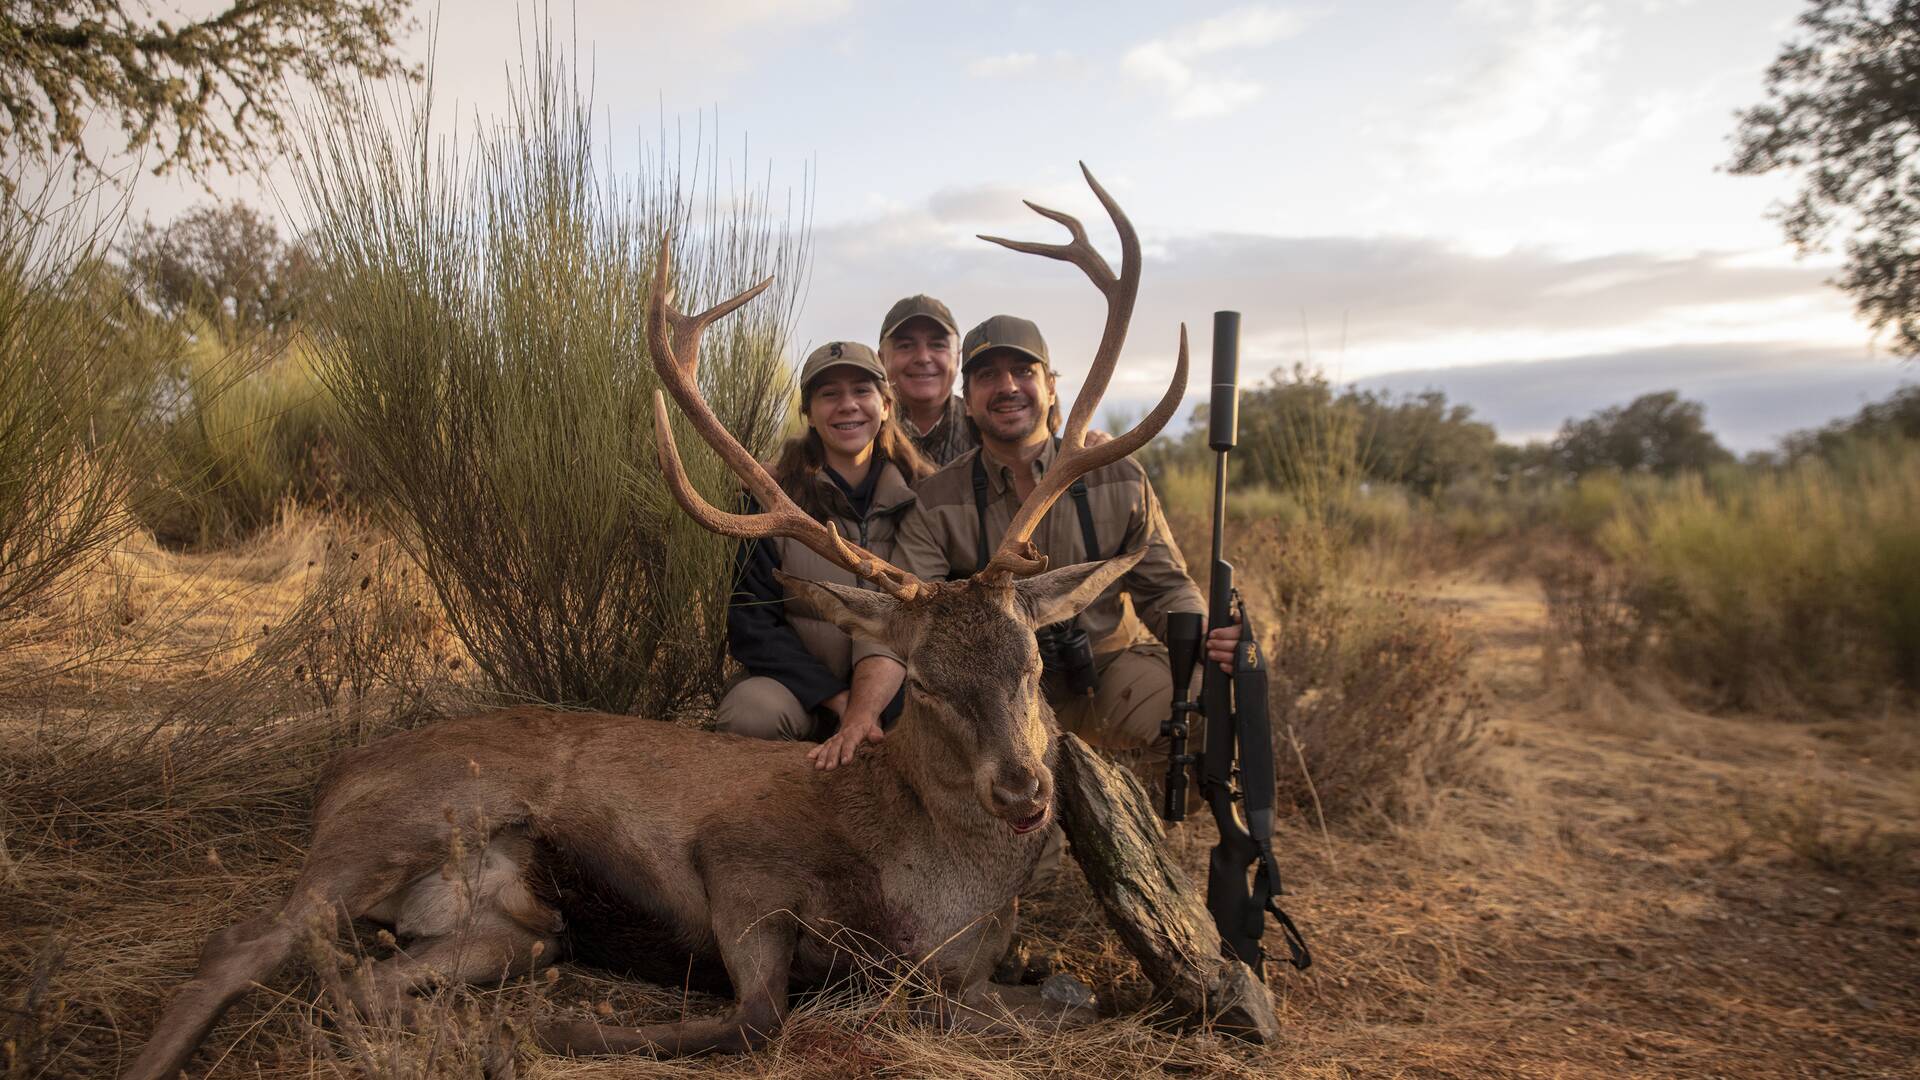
[[1612, 882]]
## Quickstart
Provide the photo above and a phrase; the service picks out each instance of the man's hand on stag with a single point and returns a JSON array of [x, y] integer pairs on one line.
[[839, 749]]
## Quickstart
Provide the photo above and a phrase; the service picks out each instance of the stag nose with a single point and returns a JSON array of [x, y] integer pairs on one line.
[[1016, 788], [1021, 797]]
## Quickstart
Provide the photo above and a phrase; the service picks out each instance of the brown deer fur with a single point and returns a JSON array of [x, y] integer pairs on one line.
[[716, 848]]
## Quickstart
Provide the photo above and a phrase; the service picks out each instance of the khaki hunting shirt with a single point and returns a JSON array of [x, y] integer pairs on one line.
[[939, 538], [949, 437]]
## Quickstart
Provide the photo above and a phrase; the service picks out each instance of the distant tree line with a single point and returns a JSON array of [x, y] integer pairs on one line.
[[1426, 443], [1898, 417]]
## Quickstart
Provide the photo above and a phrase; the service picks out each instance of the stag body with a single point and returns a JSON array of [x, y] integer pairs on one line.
[[732, 852], [708, 846]]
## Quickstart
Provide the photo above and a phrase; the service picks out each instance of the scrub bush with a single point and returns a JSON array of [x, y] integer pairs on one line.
[[483, 335]]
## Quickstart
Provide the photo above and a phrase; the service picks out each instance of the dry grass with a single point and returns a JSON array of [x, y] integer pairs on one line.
[[1609, 896]]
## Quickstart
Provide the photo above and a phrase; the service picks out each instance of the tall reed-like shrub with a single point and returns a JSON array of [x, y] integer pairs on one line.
[[244, 429], [1795, 585], [483, 335], [67, 397]]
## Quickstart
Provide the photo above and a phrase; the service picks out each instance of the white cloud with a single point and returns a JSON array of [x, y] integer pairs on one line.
[[1012, 63], [1170, 62], [1535, 89]]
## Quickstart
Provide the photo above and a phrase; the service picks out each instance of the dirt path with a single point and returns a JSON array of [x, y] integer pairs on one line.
[[1624, 894]]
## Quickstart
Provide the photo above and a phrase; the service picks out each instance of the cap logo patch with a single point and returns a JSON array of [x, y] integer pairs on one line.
[[834, 350]]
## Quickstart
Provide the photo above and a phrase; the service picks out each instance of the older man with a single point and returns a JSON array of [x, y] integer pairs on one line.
[[917, 340]]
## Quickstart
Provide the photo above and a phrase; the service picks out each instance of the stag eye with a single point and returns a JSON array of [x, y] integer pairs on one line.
[[915, 686]]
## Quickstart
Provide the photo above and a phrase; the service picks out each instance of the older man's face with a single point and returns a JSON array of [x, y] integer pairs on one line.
[[918, 356]]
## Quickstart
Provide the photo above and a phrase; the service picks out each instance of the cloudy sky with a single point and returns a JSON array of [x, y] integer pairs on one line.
[[1515, 201]]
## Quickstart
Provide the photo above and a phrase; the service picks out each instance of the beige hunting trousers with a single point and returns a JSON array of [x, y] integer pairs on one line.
[[763, 708], [1133, 695]]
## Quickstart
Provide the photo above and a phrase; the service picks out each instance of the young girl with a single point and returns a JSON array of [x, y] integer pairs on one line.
[[853, 467]]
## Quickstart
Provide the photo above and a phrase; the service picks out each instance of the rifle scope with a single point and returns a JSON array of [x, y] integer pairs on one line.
[[1183, 652]]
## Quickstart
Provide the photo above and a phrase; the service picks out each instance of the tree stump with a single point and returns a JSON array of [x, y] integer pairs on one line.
[[1159, 913]]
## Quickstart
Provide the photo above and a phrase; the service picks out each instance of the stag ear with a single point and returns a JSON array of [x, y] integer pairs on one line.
[[862, 613], [1060, 594]]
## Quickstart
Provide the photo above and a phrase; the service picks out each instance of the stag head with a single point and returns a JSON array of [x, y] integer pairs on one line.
[[973, 670], [973, 664]]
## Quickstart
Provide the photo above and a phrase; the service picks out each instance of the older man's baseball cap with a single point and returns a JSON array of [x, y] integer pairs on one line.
[[838, 353], [1003, 332], [919, 306]]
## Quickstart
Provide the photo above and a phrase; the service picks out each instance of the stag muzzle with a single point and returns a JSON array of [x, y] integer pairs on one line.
[[1020, 795]]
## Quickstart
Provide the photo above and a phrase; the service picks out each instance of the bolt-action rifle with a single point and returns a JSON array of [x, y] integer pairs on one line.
[[1235, 707]]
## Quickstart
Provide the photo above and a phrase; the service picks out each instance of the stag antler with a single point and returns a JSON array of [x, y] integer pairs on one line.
[[1016, 554], [674, 340]]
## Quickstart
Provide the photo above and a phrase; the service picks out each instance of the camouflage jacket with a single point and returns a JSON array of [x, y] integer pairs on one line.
[[949, 437]]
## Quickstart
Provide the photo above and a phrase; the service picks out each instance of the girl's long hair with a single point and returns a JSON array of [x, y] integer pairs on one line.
[[797, 468]]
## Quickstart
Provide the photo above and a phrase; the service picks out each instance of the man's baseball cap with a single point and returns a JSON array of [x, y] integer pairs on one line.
[[838, 353], [1003, 332], [920, 306]]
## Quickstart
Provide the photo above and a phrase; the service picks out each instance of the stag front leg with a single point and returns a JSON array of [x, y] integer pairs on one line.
[[758, 958], [973, 1003]]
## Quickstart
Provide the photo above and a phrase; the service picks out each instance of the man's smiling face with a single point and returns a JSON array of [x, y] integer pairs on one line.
[[1008, 395]]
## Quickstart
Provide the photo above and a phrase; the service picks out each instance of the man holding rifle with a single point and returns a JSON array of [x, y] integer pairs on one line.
[[1107, 678]]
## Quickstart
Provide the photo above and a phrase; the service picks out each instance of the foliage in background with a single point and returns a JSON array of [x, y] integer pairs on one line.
[[66, 404], [1300, 434], [1841, 113], [240, 431], [197, 93], [483, 335], [1770, 589], [1297, 436], [1656, 433], [223, 264]]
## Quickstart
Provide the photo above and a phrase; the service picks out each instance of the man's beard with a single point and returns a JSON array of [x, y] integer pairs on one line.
[[1000, 426]]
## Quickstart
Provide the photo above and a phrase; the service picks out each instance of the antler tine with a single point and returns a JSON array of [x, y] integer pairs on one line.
[[676, 358], [1120, 290], [1019, 558], [686, 329], [1080, 252]]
